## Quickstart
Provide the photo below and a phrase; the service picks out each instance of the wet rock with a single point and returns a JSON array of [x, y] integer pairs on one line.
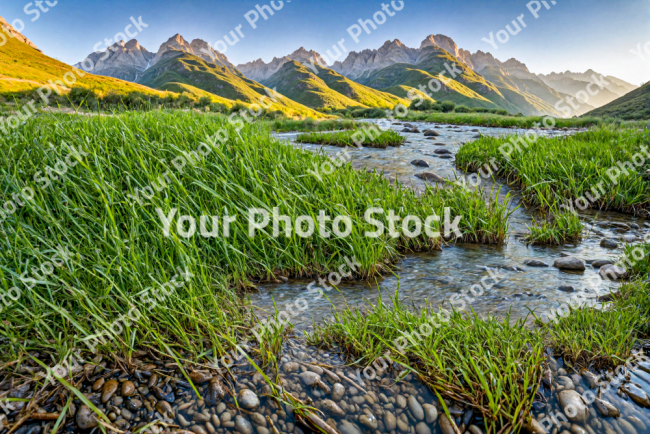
[[567, 288], [630, 239], [309, 378], [579, 409], [98, 384], [163, 407], [591, 379], [402, 426], [338, 390], [420, 163], [422, 428], [566, 382], [442, 151], [431, 133], [430, 413], [85, 418], [608, 243], [535, 263], [368, 420], [401, 401], [414, 130], [243, 425], [640, 426], [446, 157], [248, 399], [605, 408], [109, 388], [153, 380], [200, 377], [626, 426], [126, 414], [161, 395], [577, 429], [389, 421], [612, 272], [415, 407], [533, 427], [331, 376], [198, 429], [600, 262], [406, 130], [258, 419], [473, 429], [215, 392], [569, 263], [134, 404], [636, 394], [128, 389], [476, 136], [448, 426], [428, 176], [347, 427], [290, 367], [332, 408]]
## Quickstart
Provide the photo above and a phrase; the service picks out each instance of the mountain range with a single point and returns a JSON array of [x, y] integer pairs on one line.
[[306, 86]]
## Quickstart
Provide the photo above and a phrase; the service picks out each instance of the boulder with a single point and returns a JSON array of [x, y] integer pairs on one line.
[[569, 263]]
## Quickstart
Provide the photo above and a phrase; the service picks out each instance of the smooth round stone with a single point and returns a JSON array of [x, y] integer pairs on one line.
[[608, 243], [533, 427], [128, 389], [98, 384], [85, 418], [332, 408], [403, 426], [422, 428], [243, 425], [198, 429], [309, 378], [389, 421], [109, 388], [447, 426], [430, 413], [577, 429], [368, 420], [579, 411], [612, 272], [338, 390], [600, 262], [569, 263], [348, 428], [290, 367], [415, 407], [401, 401], [535, 263], [248, 399]]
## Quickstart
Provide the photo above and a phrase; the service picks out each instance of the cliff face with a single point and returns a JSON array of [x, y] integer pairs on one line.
[[9, 32], [126, 61]]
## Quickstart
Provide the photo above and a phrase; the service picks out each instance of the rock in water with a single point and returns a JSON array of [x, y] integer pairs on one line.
[[389, 421], [442, 151], [605, 408], [533, 427], [332, 408], [85, 418], [600, 262], [612, 272], [448, 426], [415, 407], [420, 163], [431, 133], [636, 394], [309, 378], [422, 428], [428, 176], [430, 413], [368, 420], [608, 243], [128, 389], [248, 399], [200, 377], [569, 263], [348, 428], [216, 391], [243, 425], [110, 387], [338, 390], [573, 405], [535, 263]]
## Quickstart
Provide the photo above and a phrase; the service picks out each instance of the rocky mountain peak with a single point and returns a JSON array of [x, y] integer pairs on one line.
[[258, 70], [126, 61], [8, 28]]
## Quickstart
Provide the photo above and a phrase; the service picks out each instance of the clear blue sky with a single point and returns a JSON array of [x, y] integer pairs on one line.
[[573, 34]]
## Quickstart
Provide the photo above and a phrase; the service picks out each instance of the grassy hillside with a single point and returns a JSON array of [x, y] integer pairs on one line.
[[184, 68], [24, 69], [299, 83], [402, 91], [196, 93], [634, 105]]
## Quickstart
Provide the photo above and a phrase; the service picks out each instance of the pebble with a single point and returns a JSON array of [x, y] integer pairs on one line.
[[420, 163], [243, 425], [347, 427], [567, 288], [368, 420], [248, 399], [389, 421], [626, 426], [200, 377], [197, 429], [98, 384], [401, 401], [447, 426], [415, 407], [608, 243], [85, 418], [309, 378], [636, 394], [422, 428], [535, 263], [290, 367], [128, 389], [600, 262], [612, 272], [571, 397], [429, 176], [332, 408], [215, 392], [569, 263], [430, 413], [110, 387]]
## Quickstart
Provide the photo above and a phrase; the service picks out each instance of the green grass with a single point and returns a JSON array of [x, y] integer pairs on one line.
[[499, 121], [117, 250], [354, 138], [633, 105], [555, 229], [554, 171], [289, 125]]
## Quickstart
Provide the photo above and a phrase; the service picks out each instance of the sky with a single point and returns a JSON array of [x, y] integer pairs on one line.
[[575, 35]]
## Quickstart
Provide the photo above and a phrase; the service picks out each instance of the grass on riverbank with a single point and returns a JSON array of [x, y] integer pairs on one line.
[[495, 120], [118, 257], [382, 140], [290, 125], [555, 229], [572, 171]]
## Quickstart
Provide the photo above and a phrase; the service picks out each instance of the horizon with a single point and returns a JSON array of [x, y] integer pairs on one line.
[[546, 44]]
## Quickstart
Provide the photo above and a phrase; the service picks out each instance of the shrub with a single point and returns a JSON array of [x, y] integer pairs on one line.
[[447, 106], [461, 109]]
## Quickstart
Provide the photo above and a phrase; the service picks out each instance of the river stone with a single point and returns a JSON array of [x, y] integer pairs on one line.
[[369, 420], [415, 407], [636, 394], [573, 398], [243, 425], [163, 407], [420, 163], [442, 151], [216, 391], [401, 401], [608, 243], [569, 263], [85, 418], [98, 384], [198, 429], [600, 263], [110, 387], [567, 288], [248, 399], [566, 382], [332, 408], [402, 426], [316, 369], [200, 377], [447, 426], [430, 413], [612, 272], [348, 428], [535, 263], [309, 378], [128, 389], [605, 408], [533, 427], [577, 429], [473, 429], [626, 426], [422, 428], [389, 421], [290, 367], [431, 133], [134, 404], [429, 176], [338, 390], [637, 423]]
